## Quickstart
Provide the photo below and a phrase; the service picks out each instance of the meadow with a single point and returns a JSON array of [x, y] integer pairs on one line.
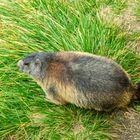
[[61, 25]]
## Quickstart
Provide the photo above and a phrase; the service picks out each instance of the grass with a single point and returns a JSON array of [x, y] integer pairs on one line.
[[116, 5], [137, 10], [55, 26]]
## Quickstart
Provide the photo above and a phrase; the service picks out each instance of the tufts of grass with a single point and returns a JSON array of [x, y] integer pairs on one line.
[[116, 5], [137, 10], [54, 26]]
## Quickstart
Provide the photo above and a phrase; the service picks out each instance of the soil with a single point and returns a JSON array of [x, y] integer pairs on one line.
[[126, 125]]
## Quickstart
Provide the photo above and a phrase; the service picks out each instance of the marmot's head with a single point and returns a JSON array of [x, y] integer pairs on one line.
[[34, 65]]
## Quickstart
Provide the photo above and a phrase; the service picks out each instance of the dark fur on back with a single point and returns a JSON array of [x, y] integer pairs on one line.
[[83, 79]]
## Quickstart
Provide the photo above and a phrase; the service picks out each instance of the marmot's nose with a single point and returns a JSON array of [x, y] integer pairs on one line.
[[20, 63]]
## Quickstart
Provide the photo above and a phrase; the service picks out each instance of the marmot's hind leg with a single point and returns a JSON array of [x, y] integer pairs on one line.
[[120, 102]]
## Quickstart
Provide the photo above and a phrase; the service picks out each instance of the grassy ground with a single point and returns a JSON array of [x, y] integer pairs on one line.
[[40, 25]]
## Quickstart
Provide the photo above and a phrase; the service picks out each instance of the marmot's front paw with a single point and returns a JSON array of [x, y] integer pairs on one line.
[[47, 99], [53, 101]]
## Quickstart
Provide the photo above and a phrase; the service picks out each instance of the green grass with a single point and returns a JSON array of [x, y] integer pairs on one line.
[[137, 10], [116, 5], [55, 26]]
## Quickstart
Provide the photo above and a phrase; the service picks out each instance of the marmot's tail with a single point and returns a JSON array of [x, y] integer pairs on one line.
[[136, 97]]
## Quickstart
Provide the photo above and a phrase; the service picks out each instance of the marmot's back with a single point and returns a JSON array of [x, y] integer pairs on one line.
[[99, 82], [86, 80]]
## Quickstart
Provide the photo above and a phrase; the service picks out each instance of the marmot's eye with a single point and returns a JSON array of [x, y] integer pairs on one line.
[[26, 63]]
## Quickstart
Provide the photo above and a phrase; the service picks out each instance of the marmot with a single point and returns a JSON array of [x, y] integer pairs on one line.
[[83, 79]]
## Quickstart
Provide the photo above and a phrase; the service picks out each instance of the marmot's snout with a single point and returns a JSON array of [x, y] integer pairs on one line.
[[20, 64]]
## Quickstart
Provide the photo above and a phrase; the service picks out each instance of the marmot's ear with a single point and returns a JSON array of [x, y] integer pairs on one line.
[[37, 61]]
